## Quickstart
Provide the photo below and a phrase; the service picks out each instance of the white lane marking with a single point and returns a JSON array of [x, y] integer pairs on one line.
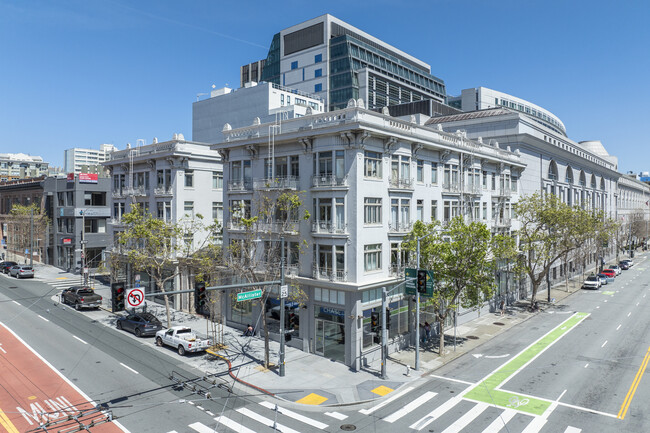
[[385, 402], [336, 415], [209, 413], [464, 420], [3, 351], [294, 415], [570, 429], [202, 428], [452, 380], [173, 431], [411, 406], [74, 336], [605, 300], [535, 425], [586, 365], [228, 423], [500, 422], [17, 303], [637, 304], [628, 314], [129, 368], [191, 402], [43, 318], [266, 421], [598, 306], [200, 408], [644, 294], [586, 409], [604, 343], [618, 327], [437, 413]]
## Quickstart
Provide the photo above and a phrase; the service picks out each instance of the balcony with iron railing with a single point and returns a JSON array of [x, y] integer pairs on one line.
[[120, 193], [283, 227], [245, 185], [329, 274], [453, 187], [329, 227], [276, 183], [235, 225], [329, 181], [397, 271], [503, 222], [472, 189], [163, 191], [503, 192], [400, 183], [400, 227]]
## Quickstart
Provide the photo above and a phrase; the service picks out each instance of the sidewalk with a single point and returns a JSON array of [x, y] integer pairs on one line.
[[312, 379]]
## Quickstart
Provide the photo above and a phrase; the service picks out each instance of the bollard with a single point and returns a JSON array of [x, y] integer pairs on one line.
[[408, 371]]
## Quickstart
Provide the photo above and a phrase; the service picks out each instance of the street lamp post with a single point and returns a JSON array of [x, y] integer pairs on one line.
[[31, 237], [282, 330]]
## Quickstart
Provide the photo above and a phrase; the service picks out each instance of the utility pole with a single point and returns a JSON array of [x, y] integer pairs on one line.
[[384, 333], [84, 279], [417, 314], [282, 313], [31, 237]]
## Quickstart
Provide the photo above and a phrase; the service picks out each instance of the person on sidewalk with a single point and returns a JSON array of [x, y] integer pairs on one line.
[[502, 307], [249, 331], [427, 332]]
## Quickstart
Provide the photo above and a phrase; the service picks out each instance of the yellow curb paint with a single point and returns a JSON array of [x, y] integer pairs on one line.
[[61, 278], [633, 387], [8, 425], [382, 390], [313, 399]]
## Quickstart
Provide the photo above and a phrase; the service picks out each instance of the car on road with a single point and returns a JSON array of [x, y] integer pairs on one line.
[[606, 278], [616, 269], [22, 271], [141, 324], [6, 266], [629, 262], [609, 272], [592, 282], [624, 265], [81, 297], [183, 339]]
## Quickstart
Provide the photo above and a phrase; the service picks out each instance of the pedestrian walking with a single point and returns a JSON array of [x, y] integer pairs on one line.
[[427, 331], [502, 307]]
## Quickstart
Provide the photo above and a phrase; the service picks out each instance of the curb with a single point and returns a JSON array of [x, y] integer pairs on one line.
[[235, 377]]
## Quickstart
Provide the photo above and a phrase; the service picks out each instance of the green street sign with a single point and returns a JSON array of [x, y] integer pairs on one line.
[[411, 282], [247, 296]]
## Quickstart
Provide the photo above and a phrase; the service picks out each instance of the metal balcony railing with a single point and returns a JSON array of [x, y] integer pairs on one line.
[[240, 185], [503, 222], [162, 191], [328, 180], [503, 192], [451, 187], [401, 183], [329, 274], [400, 227], [289, 227], [473, 189], [396, 271], [329, 227], [287, 182]]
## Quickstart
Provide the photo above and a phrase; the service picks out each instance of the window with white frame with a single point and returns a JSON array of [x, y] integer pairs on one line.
[[420, 210], [372, 164], [420, 170], [434, 173], [372, 210], [188, 209], [330, 296], [217, 211], [434, 210], [217, 179], [189, 178], [372, 257], [451, 209], [451, 175]]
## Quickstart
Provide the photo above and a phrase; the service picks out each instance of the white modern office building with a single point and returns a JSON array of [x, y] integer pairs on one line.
[[172, 180], [365, 177], [78, 160], [21, 166], [336, 61], [263, 103]]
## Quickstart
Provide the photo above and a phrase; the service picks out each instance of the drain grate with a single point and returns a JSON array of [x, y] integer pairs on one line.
[[348, 427], [472, 337], [498, 323]]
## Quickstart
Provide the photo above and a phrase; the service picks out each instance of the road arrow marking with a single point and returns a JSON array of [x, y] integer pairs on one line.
[[477, 355]]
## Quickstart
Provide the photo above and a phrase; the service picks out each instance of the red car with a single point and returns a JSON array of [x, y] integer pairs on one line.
[[609, 272]]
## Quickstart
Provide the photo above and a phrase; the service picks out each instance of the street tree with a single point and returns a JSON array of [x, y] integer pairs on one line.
[[158, 247], [463, 258], [255, 250], [19, 225]]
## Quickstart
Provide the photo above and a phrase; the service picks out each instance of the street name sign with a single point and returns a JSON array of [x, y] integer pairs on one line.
[[247, 296]]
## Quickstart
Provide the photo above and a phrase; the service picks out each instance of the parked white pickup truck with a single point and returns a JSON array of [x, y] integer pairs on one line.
[[183, 338]]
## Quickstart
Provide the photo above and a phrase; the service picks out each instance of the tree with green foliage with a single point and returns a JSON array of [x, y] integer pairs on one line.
[[158, 247], [19, 225], [254, 253], [463, 258]]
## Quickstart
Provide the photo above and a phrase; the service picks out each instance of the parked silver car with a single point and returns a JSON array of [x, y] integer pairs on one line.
[[22, 271]]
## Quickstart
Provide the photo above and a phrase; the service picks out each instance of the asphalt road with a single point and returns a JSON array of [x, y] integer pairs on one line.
[[575, 367]]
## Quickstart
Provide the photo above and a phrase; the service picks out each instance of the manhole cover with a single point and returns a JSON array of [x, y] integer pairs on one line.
[[348, 427], [498, 323], [472, 337]]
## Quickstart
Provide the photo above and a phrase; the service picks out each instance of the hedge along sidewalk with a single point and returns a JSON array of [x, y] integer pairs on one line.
[[488, 391]]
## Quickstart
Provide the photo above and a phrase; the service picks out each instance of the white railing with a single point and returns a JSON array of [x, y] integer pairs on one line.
[[162, 191], [328, 180], [328, 227], [398, 227], [451, 187], [400, 182], [240, 185], [290, 227], [329, 274], [288, 182]]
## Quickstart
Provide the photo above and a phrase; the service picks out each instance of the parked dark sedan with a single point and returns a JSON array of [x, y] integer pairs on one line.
[[5, 266], [624, 265], [141, 324]]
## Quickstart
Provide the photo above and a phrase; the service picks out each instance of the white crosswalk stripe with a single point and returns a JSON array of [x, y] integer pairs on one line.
[[336, 415], [500, 422], [570, 429], [464, 420], [266, 421], [294, 415], [385, 402], [535, 425], [437, 413], [410, 407]]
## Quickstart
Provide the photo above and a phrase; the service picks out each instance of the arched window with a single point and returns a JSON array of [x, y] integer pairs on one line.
[[593, 181], [602, 183], [583, 178], [569, 175], [552, 170]]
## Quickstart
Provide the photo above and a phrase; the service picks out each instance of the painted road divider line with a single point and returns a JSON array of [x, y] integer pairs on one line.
[[464, 382], [129, 368], [7, 424], [501, 421], [294, 415], [385, 402], [411, 406], [633, 387], [15, 302], [77, 338], [618, 327], [604, 344]]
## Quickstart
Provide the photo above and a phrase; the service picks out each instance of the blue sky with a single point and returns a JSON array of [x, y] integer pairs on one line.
[[78, 73]]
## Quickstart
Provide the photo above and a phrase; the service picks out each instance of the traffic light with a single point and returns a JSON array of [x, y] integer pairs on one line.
[[422, 281], [117, 297], [200, 296], [292, 321], [387, 318], [374, 326]]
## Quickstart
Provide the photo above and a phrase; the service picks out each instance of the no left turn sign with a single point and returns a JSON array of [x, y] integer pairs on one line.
[[135, 298]]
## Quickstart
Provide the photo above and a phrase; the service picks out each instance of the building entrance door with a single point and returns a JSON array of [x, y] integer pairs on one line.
[[330, 340]]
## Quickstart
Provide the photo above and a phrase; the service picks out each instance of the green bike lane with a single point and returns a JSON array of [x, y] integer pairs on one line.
[[487, 390]]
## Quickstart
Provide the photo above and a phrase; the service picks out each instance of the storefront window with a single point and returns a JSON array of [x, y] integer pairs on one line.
[[329, 333]]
